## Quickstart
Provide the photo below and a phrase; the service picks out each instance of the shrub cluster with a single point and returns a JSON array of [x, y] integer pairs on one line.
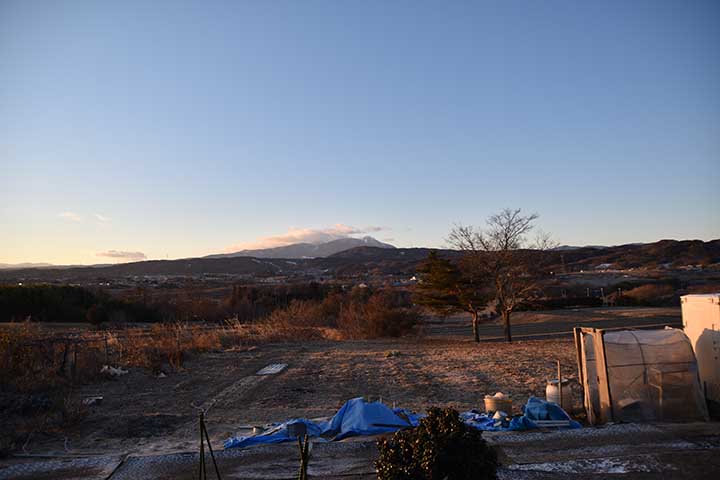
[[649, 295], [361, 313], [441, 447], [379, 316]]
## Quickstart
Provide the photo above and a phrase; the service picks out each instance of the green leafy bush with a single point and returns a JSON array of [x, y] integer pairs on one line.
[[441, 447]]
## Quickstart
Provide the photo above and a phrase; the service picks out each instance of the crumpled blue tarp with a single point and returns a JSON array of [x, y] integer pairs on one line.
[[539, 409], [355, 417], [534, 409], [358, 417]]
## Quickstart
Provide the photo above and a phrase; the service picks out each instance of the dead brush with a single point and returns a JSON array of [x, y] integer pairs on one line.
[[26, 360], [233, 334], [71, 409], [205, 341], [267, 331], [300, 320], [376, 318], [169, 344]]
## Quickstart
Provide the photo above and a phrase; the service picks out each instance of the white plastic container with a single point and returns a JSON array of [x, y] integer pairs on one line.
[[552, 394], [498, 402]]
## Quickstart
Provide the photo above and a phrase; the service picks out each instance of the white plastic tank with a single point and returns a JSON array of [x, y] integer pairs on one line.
[[552, 394]]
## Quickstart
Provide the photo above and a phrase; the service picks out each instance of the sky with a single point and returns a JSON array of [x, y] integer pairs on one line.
[[171, 129]]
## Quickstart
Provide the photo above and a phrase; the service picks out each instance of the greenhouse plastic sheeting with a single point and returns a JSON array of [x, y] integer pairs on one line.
[[358, 417], [653, 375], [639, 375]]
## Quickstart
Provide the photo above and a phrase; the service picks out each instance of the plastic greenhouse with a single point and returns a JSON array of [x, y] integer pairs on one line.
[[639, 375]]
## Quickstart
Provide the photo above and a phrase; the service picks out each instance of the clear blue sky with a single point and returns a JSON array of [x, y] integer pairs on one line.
[[183, 128]]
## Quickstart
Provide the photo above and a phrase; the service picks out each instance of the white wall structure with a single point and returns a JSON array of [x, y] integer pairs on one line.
[[701, 322]]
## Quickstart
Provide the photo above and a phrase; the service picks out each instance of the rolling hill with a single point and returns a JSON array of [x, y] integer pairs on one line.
[[385, 260]]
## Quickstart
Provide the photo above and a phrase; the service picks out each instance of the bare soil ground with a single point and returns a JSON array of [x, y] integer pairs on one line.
[[142, 413], [154, 419]]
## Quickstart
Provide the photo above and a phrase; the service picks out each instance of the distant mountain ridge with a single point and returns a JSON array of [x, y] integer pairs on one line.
[[15, 266], [360, 261], [307, 250]]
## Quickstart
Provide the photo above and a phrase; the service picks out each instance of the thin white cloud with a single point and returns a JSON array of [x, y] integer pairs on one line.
[[305, 235], [122, 255], [101, 218], [72, 216]]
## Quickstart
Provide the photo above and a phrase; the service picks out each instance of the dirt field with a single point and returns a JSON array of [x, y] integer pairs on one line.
[[146, 426], [142, 413]]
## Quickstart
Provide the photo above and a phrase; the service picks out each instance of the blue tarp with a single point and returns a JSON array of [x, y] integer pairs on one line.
[[534, 409], [539, 409], [358, 417], [355, 417]]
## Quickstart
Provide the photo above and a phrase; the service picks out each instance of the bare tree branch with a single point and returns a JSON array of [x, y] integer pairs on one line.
[[503, 254]]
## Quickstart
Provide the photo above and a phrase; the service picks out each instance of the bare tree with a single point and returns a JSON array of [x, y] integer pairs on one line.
[[502, 252]]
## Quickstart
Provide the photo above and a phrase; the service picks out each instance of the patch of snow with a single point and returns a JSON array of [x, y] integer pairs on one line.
[[642, 463], [624, 429]]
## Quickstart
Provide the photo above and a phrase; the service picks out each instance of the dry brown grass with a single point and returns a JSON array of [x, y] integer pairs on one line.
[[377, 318], [40, 372], [32, 360], [37, 377], [24, 358], [164, 346], [650, 292]]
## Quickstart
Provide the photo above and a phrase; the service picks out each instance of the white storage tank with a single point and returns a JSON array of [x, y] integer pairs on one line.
[[552, 394], [701, 322]]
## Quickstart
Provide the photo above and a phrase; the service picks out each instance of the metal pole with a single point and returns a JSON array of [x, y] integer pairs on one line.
[[559, 383], [212, 454], [304, 447], [202, 471], [302, 459]]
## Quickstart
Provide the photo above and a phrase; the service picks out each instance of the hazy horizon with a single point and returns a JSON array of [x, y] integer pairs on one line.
[[131, 130], [117, 257]]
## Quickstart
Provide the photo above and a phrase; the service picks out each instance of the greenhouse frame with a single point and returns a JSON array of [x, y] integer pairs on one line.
[[638, 376]]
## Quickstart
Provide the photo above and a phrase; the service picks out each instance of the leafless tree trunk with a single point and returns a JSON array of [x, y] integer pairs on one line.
[[476, 333], [506, 326]]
